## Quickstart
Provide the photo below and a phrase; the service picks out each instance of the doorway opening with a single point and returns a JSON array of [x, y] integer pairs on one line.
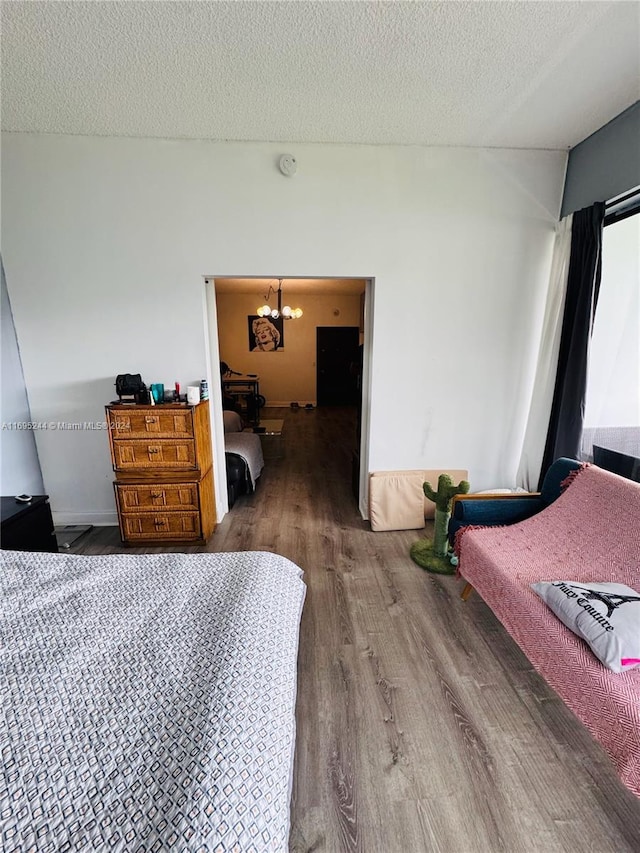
[[335, 325]]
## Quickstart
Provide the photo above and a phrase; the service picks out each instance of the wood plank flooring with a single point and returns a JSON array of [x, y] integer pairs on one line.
[[420, 724]]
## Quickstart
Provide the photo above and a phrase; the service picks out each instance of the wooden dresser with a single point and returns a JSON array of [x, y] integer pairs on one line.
[[164, 475]]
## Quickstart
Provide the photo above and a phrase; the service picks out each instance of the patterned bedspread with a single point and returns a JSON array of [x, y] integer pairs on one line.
[[149, 701], [590, 533]]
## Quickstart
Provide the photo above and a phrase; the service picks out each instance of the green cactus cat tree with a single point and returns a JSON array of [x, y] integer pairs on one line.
[[432, 554]]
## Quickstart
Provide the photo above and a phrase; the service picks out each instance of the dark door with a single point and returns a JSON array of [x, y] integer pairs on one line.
[[338, 365]]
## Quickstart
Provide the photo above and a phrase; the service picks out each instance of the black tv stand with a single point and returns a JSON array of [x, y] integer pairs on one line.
[[618, 463]]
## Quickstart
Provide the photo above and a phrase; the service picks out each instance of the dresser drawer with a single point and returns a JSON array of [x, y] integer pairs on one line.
[[174, 496], [161, 454], [157, 422], [143, 526], [162, 457]]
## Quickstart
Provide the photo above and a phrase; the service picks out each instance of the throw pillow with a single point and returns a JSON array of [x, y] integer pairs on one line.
[[605, 615], [232, 421]]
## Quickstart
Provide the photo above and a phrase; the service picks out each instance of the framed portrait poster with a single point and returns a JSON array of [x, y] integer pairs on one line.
[[265, 333]]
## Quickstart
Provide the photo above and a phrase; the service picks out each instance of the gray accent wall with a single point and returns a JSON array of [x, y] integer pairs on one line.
[[19, 464], [605, 164]]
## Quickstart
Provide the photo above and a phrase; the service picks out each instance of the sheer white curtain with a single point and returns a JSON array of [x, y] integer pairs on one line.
[[612, 412], [542, 394]]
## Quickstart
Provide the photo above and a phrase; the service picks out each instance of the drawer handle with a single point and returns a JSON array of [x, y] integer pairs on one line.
[[159, 523], [154, 450], [156, 494], [150, 419]]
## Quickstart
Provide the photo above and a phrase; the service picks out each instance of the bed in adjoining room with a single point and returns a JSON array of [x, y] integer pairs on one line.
[[243, 456], [150, 701]]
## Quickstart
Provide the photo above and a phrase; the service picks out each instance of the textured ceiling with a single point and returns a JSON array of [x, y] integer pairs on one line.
[[516, 74]]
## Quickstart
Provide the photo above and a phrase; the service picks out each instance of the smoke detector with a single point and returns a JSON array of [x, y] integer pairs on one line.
[[288, 165]]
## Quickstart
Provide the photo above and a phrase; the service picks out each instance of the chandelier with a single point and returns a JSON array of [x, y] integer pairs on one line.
[[286, 311]]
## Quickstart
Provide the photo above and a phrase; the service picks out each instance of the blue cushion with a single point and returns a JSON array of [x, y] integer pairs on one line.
[[492, 512], [557, 473], [489, 511]]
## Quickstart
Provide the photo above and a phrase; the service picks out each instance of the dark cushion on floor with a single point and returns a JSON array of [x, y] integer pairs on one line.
[[238, 479]]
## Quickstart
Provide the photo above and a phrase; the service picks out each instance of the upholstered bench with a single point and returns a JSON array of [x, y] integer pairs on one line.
[[589, 535]]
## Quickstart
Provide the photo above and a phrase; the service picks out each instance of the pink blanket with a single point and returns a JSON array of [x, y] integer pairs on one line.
[[591, 533]]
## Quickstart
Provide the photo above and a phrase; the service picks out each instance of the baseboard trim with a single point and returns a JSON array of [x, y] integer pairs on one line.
[[98, 519], [286, 404]]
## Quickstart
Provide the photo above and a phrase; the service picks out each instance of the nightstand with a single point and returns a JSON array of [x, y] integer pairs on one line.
[[27, 526]]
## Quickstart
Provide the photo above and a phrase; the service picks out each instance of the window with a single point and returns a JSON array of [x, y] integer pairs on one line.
[[612, 411]]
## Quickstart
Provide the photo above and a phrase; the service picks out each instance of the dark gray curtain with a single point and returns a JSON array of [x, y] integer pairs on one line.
[[583, 285]]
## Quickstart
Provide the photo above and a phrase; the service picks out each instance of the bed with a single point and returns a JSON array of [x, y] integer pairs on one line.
[[590, 534], [243, 457], [150, 701]]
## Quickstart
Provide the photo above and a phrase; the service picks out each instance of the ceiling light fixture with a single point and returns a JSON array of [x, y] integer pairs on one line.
[[286, 312]]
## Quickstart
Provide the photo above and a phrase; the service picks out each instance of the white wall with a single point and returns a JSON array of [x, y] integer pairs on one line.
[[19, 466], [106, 241]]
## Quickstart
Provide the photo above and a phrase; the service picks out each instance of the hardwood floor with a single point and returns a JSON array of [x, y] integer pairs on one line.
[[420, 724]]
